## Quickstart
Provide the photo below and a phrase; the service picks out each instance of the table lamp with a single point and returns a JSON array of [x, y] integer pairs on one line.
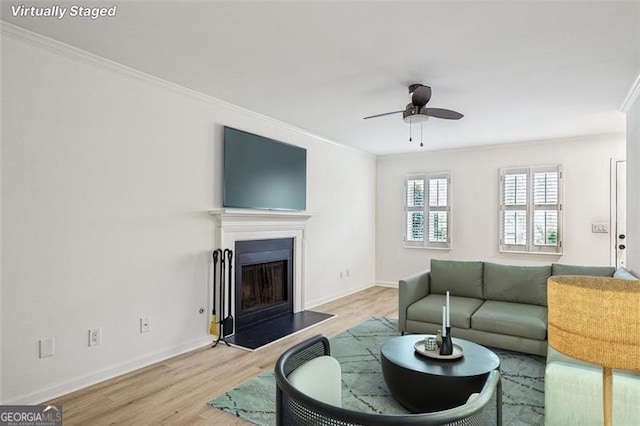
[[597, 320]]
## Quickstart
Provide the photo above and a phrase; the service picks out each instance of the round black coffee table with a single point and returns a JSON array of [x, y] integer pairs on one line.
[[422, 384]]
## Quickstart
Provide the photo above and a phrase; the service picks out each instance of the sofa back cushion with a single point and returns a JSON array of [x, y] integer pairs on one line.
[[459, 278], [593, 271], [518, 284]]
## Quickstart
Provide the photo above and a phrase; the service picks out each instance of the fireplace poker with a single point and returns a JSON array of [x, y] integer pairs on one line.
[[227, 322]]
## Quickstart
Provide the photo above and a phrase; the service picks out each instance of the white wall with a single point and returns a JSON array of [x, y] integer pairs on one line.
[[107, 179], [1, 185], [633, 187], [475, 195]]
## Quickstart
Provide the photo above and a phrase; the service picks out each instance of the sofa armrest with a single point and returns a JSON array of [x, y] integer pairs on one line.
[[410, 290]]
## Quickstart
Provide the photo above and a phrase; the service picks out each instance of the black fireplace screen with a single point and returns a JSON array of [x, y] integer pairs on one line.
[[263, 284], [263, 280]]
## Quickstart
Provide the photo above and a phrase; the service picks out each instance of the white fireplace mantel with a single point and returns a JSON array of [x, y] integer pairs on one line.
[[243, 225], [262, 219]]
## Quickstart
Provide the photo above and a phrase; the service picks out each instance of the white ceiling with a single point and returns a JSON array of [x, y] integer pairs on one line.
[[518, 71]]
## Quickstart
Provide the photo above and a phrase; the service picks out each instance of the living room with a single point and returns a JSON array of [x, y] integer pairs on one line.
[[110, 174]]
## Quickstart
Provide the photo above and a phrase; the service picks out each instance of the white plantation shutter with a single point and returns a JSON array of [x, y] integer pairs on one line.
[[427, 210], [438, 227], [415, 210], [415, 226], [415, 193], [438, 193], [515, 188], [546, 207], [545, 228], [514, 208], [515, 227], [545, 187], [530, 209], [438, 209]]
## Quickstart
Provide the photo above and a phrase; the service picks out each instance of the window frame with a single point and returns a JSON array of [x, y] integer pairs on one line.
[[530, 208], [426, 209]]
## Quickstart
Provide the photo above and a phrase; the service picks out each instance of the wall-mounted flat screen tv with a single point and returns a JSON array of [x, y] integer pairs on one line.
[[262, 173]]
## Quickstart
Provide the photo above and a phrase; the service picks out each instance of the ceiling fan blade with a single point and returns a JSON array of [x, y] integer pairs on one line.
[[421, 95], [382, 115], [441, 113]]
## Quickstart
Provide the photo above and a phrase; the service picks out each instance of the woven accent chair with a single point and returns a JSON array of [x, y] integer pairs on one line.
[[295, 408]]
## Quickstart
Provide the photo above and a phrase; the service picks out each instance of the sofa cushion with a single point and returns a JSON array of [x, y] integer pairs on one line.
[[593, 271], [522, 284], [514, 319], [429, 309], [462, 279], [624, 274]]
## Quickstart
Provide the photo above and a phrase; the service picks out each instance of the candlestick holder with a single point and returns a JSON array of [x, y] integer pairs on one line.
[[447, 343]]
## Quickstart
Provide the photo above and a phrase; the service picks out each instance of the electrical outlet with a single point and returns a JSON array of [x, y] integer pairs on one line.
[[145, 324], [95, 336], [347, 273], [46, 347]]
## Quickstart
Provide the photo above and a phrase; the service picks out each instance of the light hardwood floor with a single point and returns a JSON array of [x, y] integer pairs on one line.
[[176, 391]]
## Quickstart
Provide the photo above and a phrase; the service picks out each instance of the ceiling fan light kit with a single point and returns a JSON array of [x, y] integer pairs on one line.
[[412, 115]]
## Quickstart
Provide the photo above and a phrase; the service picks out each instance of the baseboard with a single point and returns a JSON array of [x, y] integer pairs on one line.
[[106, 374], [313, 303], [321, 301]]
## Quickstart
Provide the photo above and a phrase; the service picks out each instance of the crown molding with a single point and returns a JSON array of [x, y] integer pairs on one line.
[[632, 96], [71, 52], [598, 137]]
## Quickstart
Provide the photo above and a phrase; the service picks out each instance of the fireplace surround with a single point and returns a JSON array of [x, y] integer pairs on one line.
[[240, 225]]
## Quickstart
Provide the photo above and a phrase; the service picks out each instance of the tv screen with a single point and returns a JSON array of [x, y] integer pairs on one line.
[[262, 173]]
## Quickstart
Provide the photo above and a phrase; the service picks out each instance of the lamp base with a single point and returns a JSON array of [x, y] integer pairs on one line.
[[607, 391]]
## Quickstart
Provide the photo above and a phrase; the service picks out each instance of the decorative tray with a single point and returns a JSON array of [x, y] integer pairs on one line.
[[458, 351]]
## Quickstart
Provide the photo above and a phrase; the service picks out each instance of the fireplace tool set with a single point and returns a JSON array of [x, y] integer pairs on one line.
[[221, 319]]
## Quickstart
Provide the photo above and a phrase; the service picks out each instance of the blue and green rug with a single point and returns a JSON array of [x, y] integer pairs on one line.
[[363, 387]]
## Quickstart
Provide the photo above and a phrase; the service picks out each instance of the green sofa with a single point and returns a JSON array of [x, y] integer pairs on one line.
[[503, 306]]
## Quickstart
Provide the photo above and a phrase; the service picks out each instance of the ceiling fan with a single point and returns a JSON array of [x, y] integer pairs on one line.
[[417, 111]]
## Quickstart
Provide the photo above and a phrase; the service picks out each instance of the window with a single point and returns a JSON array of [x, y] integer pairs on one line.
[[531, 209], [427, 210]]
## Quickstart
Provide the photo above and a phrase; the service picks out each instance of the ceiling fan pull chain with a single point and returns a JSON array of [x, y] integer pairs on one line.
[[421, 139], [410, 133]]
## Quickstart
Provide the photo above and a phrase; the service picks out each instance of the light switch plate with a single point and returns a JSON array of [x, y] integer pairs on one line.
[[599, 228], [46, 347]]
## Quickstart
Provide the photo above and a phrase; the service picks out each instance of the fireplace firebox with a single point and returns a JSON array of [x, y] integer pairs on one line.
[[263, 280]]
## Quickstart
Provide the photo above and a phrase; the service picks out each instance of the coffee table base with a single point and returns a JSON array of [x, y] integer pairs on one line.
[[423, 384], [425, 393]]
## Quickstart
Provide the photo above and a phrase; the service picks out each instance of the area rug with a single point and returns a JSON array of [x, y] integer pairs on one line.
[[363, 387]]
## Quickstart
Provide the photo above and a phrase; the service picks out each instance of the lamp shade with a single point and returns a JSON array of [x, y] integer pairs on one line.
[[595, 319]]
